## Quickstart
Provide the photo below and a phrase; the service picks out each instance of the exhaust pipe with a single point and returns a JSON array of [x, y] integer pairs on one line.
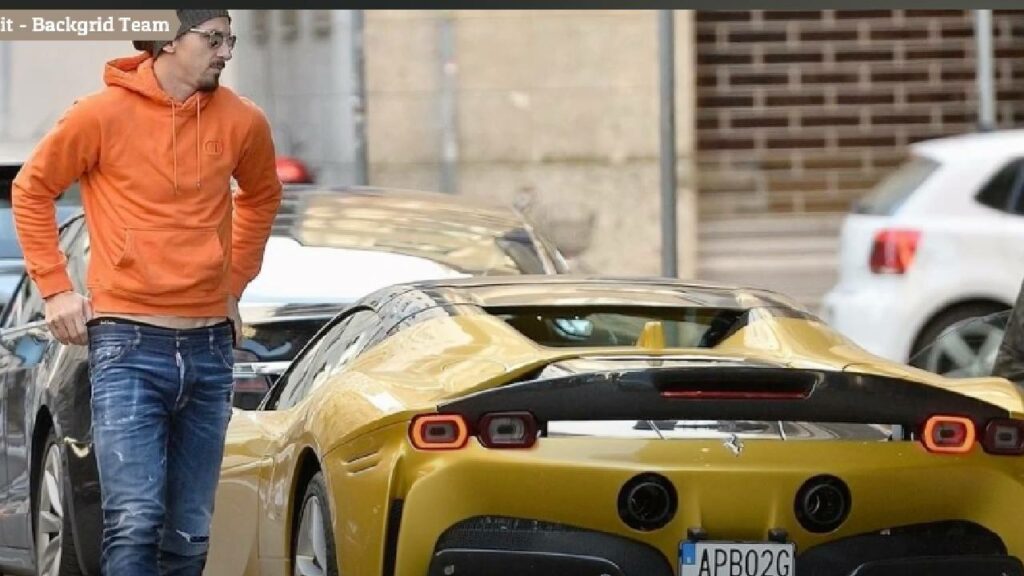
[[822, 504], [647, 502]]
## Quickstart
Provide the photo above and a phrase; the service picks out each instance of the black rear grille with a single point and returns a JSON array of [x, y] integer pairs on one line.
[[950, 539], [503, 546]]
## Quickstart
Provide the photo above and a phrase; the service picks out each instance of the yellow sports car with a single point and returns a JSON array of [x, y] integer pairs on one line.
[[561, 426]]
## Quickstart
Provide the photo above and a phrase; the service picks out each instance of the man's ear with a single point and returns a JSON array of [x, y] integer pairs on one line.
[[170, 47]]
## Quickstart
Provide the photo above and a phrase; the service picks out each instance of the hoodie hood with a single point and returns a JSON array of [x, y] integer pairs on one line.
[[135, 73]]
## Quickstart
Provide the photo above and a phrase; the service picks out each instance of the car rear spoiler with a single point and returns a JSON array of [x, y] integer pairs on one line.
[[727, 393]]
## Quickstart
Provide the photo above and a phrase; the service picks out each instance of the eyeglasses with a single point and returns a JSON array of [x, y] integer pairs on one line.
[[216, 38]]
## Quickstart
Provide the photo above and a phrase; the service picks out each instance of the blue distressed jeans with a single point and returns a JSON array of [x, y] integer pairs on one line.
[[161, 402]]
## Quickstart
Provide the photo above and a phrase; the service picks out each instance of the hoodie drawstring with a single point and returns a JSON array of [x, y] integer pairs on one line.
[[174, 144], [199, 157]]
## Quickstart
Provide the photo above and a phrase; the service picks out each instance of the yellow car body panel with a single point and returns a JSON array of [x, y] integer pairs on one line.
[[354, 426], [734, 498]]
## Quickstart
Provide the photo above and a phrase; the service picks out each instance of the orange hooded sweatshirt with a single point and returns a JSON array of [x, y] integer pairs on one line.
[[155, 178]]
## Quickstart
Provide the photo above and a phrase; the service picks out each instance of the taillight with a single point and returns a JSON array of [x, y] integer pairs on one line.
[[451, 432], [1004, 437], [948, 434], [893, 251], [732, 395], [732, 389], [438, 432], [508, 430]]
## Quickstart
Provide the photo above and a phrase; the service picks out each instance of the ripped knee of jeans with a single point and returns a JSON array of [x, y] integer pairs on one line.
[[184, 544]]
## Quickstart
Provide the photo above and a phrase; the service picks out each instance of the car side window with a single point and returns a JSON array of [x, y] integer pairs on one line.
[[422, 315], [396, 311], [1003, 191], [291, 390], [333, 350], [339, 352]]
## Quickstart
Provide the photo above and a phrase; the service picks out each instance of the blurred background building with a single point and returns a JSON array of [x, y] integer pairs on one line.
[[783, 118]]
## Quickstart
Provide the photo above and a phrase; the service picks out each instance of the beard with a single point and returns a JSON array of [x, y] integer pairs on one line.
[[208, 84]]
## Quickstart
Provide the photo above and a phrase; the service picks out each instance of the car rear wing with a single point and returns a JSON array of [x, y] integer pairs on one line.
[[727, 393]]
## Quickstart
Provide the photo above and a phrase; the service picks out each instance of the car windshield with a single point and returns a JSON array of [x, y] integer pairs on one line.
[[891, 192], [599, 326], [966, 349]]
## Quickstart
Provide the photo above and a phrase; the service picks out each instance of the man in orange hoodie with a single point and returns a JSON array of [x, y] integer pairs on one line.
[[171, 252]]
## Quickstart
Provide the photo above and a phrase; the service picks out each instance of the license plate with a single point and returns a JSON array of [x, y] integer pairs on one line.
[[736, 559]]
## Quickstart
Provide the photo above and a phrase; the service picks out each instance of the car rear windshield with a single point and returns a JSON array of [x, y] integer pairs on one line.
[[596, 326], [887, 197]]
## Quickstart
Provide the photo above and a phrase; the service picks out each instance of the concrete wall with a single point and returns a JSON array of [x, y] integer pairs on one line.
[[45, 77], [297, 66], [557, 111]]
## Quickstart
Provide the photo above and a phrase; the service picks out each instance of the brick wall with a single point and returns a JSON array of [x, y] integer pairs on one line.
[[804, 111]]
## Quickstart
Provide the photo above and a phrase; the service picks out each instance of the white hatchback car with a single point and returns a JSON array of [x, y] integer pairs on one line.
[[940, 240]]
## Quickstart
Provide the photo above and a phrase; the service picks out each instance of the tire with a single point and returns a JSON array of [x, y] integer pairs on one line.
[[975, 337], [313, 547], [52, 532]]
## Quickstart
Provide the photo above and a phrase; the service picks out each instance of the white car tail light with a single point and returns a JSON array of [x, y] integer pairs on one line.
[[893, 250]]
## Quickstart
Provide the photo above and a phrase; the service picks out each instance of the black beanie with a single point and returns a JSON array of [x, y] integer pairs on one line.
[[189, 19]]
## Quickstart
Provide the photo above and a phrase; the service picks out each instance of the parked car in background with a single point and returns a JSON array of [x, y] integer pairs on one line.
[[327, 249], [12, 156], [330, 247], [940, 240]]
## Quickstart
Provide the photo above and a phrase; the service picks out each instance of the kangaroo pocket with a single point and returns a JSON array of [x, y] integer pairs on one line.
[[166, 262]]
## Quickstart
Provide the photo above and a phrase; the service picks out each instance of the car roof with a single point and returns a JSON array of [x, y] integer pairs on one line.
[[460, 233], [311, 215], [579, 290], [305, 206], [996, 145]]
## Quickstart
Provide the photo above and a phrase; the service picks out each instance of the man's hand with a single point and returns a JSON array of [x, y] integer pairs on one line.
[[235, 318], [66, 315]]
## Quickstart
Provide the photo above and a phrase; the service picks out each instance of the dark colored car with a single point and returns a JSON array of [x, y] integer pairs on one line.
[[327, 249]]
